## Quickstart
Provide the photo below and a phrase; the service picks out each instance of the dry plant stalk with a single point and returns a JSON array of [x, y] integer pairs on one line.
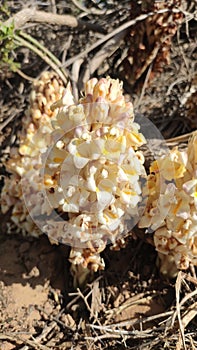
[[33, 15], [150, 40]]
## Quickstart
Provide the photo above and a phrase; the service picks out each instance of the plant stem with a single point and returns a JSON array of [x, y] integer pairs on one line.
[[26, 40]]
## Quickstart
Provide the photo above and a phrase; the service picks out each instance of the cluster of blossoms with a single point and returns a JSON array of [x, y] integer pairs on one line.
[[171, 210], [25, 162], [78, 175], [93, 172], [77, 172]]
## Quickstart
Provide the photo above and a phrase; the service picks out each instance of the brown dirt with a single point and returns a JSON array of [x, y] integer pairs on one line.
[[37, 300], [32, 279]]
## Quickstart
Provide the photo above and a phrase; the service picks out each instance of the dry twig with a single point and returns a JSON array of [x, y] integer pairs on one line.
[[16, 338], [32, 15], [178, 288], [117, 31]]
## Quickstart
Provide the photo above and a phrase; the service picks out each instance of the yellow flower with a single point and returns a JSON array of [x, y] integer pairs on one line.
[[99, 167], [171, 207], [78, 167]]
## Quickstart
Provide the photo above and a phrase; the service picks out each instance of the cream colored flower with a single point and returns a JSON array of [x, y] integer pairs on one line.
[[78, 168], [171, 207], [94, 170], [22, 191]]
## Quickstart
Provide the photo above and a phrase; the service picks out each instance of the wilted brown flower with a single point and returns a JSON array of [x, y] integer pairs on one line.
[[150, 39]]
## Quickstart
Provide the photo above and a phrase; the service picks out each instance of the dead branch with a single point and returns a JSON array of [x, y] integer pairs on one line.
[[30, 15], [106, 51], [183, 301], [189, 315], [93, 11], [177, 289], [143, 320], [124, 26], [12, 115], [17, 338]]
